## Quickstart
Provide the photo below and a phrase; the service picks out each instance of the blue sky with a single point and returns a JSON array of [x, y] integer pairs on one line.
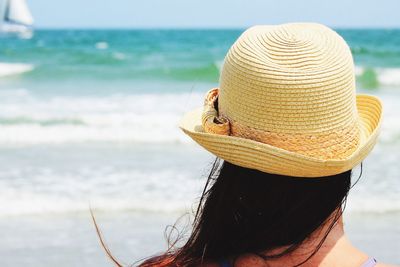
[[212, 13]]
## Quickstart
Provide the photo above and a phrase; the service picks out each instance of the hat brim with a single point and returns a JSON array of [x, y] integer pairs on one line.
[[267, 158]]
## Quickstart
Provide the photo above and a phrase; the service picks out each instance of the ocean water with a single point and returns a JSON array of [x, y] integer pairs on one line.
[[89, 118]]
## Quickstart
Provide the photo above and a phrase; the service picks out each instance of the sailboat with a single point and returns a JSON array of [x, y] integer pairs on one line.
[[15, 18]]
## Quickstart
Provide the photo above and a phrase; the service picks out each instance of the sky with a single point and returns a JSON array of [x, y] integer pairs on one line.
[[213, 13]]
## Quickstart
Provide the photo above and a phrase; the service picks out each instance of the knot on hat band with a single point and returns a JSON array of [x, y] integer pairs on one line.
[[211, 121]]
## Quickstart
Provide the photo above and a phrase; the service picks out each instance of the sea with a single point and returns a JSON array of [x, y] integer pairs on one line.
[[89, 120]]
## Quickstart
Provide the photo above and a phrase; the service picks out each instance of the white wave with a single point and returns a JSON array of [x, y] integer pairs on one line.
[[390, 129], [377, 204], [102, 45], [389, 76], [24, 203], [9, 69], [50, 192], [29, 203], [50, 189], [27, 119], [385, 76], [119, 56], [219, 64], [358, 70], [154, 192]]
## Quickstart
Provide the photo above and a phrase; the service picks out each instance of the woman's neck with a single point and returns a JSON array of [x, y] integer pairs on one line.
[[336, 250]]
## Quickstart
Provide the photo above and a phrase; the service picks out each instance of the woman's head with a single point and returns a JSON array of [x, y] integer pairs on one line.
[[247, 211], [287, 104]]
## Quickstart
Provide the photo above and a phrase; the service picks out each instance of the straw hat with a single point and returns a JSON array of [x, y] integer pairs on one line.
[[287, 104]]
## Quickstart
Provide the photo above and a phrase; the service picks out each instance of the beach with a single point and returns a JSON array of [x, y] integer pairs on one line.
[[70, 239], [89, 119]]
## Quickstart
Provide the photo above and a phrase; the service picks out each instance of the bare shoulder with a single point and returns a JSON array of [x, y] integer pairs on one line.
[[386, 265]]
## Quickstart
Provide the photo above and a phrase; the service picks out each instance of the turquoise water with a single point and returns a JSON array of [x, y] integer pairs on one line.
[[122, 55], [173, 55]]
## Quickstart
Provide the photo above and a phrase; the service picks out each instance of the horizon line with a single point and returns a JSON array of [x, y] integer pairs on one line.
[[203, 28]]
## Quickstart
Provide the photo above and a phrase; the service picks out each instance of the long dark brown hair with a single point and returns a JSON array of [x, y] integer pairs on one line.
[[243, 211]]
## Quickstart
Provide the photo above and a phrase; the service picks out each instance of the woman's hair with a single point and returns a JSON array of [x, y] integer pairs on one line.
[[244, 211]]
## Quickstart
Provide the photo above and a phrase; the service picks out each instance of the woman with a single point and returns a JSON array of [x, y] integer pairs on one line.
[[251, 218], [289, 128]]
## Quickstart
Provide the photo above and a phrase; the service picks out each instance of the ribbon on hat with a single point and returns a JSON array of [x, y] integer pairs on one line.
[[212, 122]]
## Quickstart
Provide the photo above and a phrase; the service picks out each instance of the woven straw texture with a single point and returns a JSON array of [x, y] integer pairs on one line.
[[287, 104]]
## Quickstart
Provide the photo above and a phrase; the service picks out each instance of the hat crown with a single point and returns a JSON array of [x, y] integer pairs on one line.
[[291, 86]]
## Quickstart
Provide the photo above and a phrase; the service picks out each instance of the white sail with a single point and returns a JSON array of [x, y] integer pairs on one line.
[[18, 12], [3, 8]]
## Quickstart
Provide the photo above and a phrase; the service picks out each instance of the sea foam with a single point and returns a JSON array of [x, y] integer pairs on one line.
[[27, 119], [382, 77], [9, 69], [153, 118], [40, 189]]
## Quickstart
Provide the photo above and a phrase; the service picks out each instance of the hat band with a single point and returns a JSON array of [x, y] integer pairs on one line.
[[334, 144]]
